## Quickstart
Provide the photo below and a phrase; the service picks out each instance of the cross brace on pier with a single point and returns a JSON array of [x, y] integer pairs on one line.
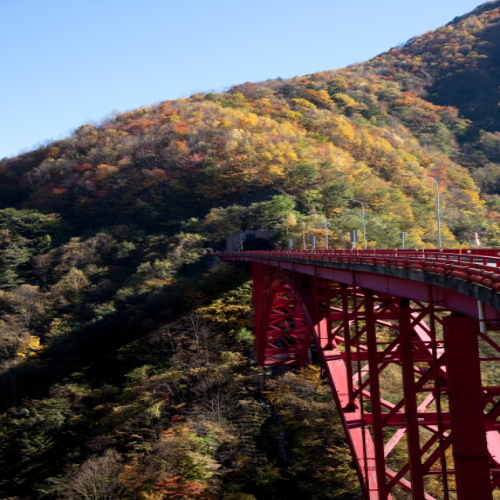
[[410, 344]]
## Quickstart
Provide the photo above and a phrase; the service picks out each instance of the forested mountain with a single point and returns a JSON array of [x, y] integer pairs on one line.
[[457, 65], [124, 361]]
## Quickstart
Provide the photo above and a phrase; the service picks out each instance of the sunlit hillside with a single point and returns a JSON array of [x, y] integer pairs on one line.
[[351, 133], [125, 367]]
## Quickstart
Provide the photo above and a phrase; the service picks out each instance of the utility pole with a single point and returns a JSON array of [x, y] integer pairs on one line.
[[326, 226], [364, 217]]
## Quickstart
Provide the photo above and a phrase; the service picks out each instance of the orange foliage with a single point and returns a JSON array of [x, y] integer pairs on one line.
[[84, 167], [176, 488], [54, 152], [158, 175]]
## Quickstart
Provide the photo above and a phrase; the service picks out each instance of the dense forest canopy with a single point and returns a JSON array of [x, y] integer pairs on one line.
[[124, 361]]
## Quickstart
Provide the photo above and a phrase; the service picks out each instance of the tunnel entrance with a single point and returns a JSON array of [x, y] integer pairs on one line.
[[253, 243], [257, 239]]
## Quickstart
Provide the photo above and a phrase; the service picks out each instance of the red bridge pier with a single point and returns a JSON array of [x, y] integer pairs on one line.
[[410, 364]]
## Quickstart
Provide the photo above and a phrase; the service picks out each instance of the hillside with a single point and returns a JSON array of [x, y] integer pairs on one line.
[[125, 362], [456, 65], [316, 139]]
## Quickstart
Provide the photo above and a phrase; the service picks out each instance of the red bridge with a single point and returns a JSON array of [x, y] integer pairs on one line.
[[410, 343]]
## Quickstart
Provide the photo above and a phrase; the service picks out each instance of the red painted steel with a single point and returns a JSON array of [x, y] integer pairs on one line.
[[470, 451], [284, 326], [416, 387]]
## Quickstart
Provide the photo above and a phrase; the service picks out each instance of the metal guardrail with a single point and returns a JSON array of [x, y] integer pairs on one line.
[[438, 356], [469, 265]]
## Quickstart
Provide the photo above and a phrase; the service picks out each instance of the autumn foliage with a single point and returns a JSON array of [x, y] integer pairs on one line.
[[177, 488], [124, 361], [351, 133]]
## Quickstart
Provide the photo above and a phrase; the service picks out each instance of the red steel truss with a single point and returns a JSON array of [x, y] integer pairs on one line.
[[413, 362]]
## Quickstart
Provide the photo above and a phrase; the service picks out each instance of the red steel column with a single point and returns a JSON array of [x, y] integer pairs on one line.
[[348, 346], [378, 431], [258, 304], [261, 283], [410, 398], [470, 451]]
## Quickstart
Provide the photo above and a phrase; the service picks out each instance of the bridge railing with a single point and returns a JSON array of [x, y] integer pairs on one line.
[[441, 391], [477, 266], [486, 257]]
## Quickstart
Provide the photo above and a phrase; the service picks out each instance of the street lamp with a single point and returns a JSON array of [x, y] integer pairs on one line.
[[403, 239], [288, 240], [326, 226], [364, 218], [440, 241]]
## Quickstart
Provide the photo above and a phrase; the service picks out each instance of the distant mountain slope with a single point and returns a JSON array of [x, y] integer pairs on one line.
[[456, 65], [428, 108], [339, 134], [477, 11], [123, 362]]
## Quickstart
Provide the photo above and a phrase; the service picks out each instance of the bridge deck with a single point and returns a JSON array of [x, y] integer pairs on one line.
[[374, 314], [461, 278]]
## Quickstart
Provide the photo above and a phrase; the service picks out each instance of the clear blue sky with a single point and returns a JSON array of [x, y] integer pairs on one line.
[[64, 63]]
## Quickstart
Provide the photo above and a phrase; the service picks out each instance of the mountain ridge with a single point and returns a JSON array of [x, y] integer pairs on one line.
[[477, 11], [455, 65], [124, 363]]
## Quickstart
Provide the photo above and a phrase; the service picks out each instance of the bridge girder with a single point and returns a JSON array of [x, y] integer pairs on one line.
[[405, 371]]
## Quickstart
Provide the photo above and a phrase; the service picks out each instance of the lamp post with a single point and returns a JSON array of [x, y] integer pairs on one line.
[[440, 241], [290, 241], [326, 226], [303, 236], [364, 217]]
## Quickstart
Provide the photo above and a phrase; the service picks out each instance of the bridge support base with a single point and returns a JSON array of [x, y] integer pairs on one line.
[[405, 374], [470, 451]]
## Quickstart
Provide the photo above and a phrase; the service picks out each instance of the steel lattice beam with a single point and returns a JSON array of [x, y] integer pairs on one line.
[[405, 372]]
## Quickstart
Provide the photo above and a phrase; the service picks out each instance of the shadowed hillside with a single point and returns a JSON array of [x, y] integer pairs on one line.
[[125, 362]]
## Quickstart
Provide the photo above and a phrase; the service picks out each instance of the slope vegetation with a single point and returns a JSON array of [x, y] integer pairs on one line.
[[124, 367]]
